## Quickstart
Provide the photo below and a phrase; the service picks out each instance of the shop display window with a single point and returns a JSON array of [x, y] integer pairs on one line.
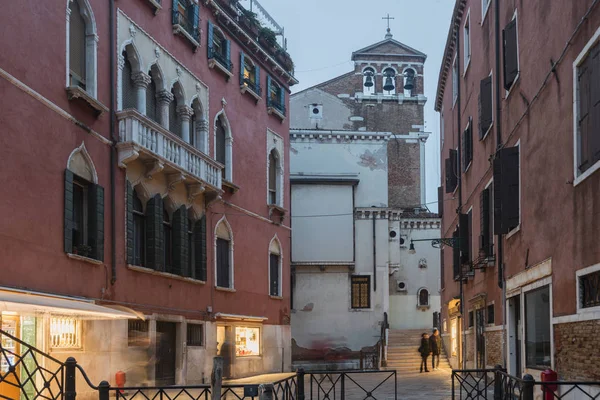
[[247, 341]]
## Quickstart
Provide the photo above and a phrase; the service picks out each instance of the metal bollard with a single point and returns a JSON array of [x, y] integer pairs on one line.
[[528, 383]]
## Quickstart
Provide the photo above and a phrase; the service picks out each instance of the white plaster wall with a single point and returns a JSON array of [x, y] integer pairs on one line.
[[336, 114], [365, 158], [322, 238]]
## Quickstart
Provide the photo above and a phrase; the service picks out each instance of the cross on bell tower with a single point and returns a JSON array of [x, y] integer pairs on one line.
[[388, 35]]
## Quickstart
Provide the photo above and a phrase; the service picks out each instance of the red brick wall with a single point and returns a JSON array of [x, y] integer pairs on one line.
[[577, 354]]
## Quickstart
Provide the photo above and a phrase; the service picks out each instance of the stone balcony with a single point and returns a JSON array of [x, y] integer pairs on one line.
[[143, 139]]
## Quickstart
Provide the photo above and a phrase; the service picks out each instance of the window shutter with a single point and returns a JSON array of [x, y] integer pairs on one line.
[[68, 234], [154, 233], [456, 256], [282, 98], [228, 52], [497, 176], [274, 276], [510, 197], [129, 223], [480, 130], [440, 201], [594, 126], [175, 12], [470, 139], [451, 171], [223, 263], [448, 169], [511, 63], [180, 242], [200, 249], [463, 233], [584, 114], [195, 21], [257, 79], [268, 91], [486, 104], [210, 39], [484, 207], [96, 221], [241, 67]]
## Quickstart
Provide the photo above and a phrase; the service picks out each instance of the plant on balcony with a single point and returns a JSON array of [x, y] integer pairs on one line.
[[249, 20], [285, 60], [268, 38]]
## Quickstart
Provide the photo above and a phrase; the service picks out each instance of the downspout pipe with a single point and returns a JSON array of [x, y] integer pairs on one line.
[[498, 121], [113, 149], [374, 255]]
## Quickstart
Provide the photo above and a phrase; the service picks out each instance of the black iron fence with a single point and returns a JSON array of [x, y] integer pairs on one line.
[[496, 384], [352, 385]]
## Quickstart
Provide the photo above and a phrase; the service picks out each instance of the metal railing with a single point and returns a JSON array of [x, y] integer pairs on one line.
[[181, 19], [220, 58], [252, 85], [352, 385], [276, 105]]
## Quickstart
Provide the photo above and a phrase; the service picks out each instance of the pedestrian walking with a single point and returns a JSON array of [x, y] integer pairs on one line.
[[435, 345], [424, 350]]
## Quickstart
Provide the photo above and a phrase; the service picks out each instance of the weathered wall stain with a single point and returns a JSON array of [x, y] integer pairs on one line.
[[374, 160]]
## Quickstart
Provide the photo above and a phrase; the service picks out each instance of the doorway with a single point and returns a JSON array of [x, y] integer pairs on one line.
[[166, 334], [480, 338], [10, 356], [225, 348], [514, 335]]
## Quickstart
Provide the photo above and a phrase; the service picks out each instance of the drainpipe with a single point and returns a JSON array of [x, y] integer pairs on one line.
[[500, 255], [113, 149], [374, 256]]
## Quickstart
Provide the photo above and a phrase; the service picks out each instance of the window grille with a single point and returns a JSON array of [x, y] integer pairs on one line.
[[590, 290], [137, 333], [65, 333], [361, 292], [195, 335]]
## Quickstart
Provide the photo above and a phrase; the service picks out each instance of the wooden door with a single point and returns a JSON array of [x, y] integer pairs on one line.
[[165, 353], [9, 356]]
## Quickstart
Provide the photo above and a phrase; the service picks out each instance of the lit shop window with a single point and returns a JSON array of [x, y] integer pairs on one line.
[[247, 341], [65, 333]]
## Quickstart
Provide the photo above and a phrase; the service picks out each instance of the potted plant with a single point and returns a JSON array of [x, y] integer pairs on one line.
[[268, 38], [250, 21], [83, 250]]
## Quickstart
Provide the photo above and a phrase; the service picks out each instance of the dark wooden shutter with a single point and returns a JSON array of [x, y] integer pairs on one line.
[[510, 197], [485, 90], [257, 79], [274, 276], [456, 255], [470, 236], [242, 68], [96, 221], [223, 263], [130, 239], [228, 53], [451, 171], [484, 207], [511, 61], [210, 40], [175, 12], [268, 91], [68, 228], [180, 241], [281, 94], [497, 172], [440, 201], [442, 271], [467, 145], [470, 139], [200, 249], [463, 232], [594, 127], [154, 234]]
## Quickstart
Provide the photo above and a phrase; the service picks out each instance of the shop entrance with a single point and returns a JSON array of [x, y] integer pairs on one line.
[[514, 335], [166, 333]]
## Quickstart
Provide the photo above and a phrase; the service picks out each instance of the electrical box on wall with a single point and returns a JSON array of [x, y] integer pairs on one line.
[[315, 111]]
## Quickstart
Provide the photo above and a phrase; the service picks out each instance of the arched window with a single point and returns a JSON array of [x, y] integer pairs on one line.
[[224, 255], [151, 101], [82, 46], [423, 298], [139, 231], [129, 95], [174, 120], [389, 82], [221, 138], [369, 81], [273, 177], [224, 146], [168, 242], [275, 268]]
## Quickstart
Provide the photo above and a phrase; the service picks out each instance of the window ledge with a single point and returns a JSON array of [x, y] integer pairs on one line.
[[178, 29], [277, 113], [212, 63], [230, 186], [246, 89], [86, 259], [467, 65], [361, 309], [75, 92], [157, 6], [164, 274], [423, 308], [510, 90], [276, 297], [224, 289], [587, 173], [513, 232]]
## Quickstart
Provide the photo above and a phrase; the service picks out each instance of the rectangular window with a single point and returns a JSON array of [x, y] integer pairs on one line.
[[223, 264], [511, 53], [247, 341], [486, 114], [471, 319], [588, 111], [274, 275], [275, 95], [65, 333], [137, 333], [195, 335], [589, 290], [490, 314], [454, 81], [486, 238], [467, 40], [361, 291], [537, 328], [185, 15], [485, 5], [467, 145]]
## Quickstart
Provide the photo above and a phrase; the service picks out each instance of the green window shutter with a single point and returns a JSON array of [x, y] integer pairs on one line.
[[180, 250], [228, 53], [200, 249], [241, 67], [282, 99], [195, 13], [268, 94], [129, 235], [96, 221], [257, 79], [175, 12], [210, 40], [68, 212], [154, 234]]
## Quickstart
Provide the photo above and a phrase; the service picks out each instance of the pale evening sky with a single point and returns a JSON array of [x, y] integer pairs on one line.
[[322, 34]]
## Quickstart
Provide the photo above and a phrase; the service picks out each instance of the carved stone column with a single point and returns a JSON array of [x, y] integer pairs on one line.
[[185, 114], [201, 132], [141, 80], [163, 99]]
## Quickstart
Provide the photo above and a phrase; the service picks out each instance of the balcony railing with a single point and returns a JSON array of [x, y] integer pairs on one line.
[[276, 105], [220, 58], [252, 85], [181, 19], [146, 136]]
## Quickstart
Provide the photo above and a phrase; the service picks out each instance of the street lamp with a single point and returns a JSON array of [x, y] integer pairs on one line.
[[437, 243]]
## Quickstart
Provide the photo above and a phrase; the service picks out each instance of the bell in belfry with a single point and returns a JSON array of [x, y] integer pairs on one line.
[[389, 84], [409, 79], [369, 79]]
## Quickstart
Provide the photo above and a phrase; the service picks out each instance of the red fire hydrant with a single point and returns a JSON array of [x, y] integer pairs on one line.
[[120, 379], [549, 376]]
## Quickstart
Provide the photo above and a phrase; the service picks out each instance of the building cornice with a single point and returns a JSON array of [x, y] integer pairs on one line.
[[297, 135], [409, 218]]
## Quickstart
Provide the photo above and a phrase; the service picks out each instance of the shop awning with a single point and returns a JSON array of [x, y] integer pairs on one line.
[[22, 302]]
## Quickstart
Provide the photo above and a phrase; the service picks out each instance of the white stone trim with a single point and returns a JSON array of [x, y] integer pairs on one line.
[[280, 283], [578, 274], [371, 292], [231, 253], [275, 142], [228, 143], [527, 277], [467, 56], [91, 47], [578, 178], [81, 149]]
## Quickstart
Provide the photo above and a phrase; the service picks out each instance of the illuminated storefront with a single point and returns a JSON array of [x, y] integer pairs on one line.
[[247, 341]]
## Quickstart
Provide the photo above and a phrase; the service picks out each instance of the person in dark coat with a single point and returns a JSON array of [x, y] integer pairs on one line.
[[424, 350], [435, 345]]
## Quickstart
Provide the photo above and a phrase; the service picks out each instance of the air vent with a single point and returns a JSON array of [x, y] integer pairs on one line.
[[393, 234], [401, 286], [315, 111]]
